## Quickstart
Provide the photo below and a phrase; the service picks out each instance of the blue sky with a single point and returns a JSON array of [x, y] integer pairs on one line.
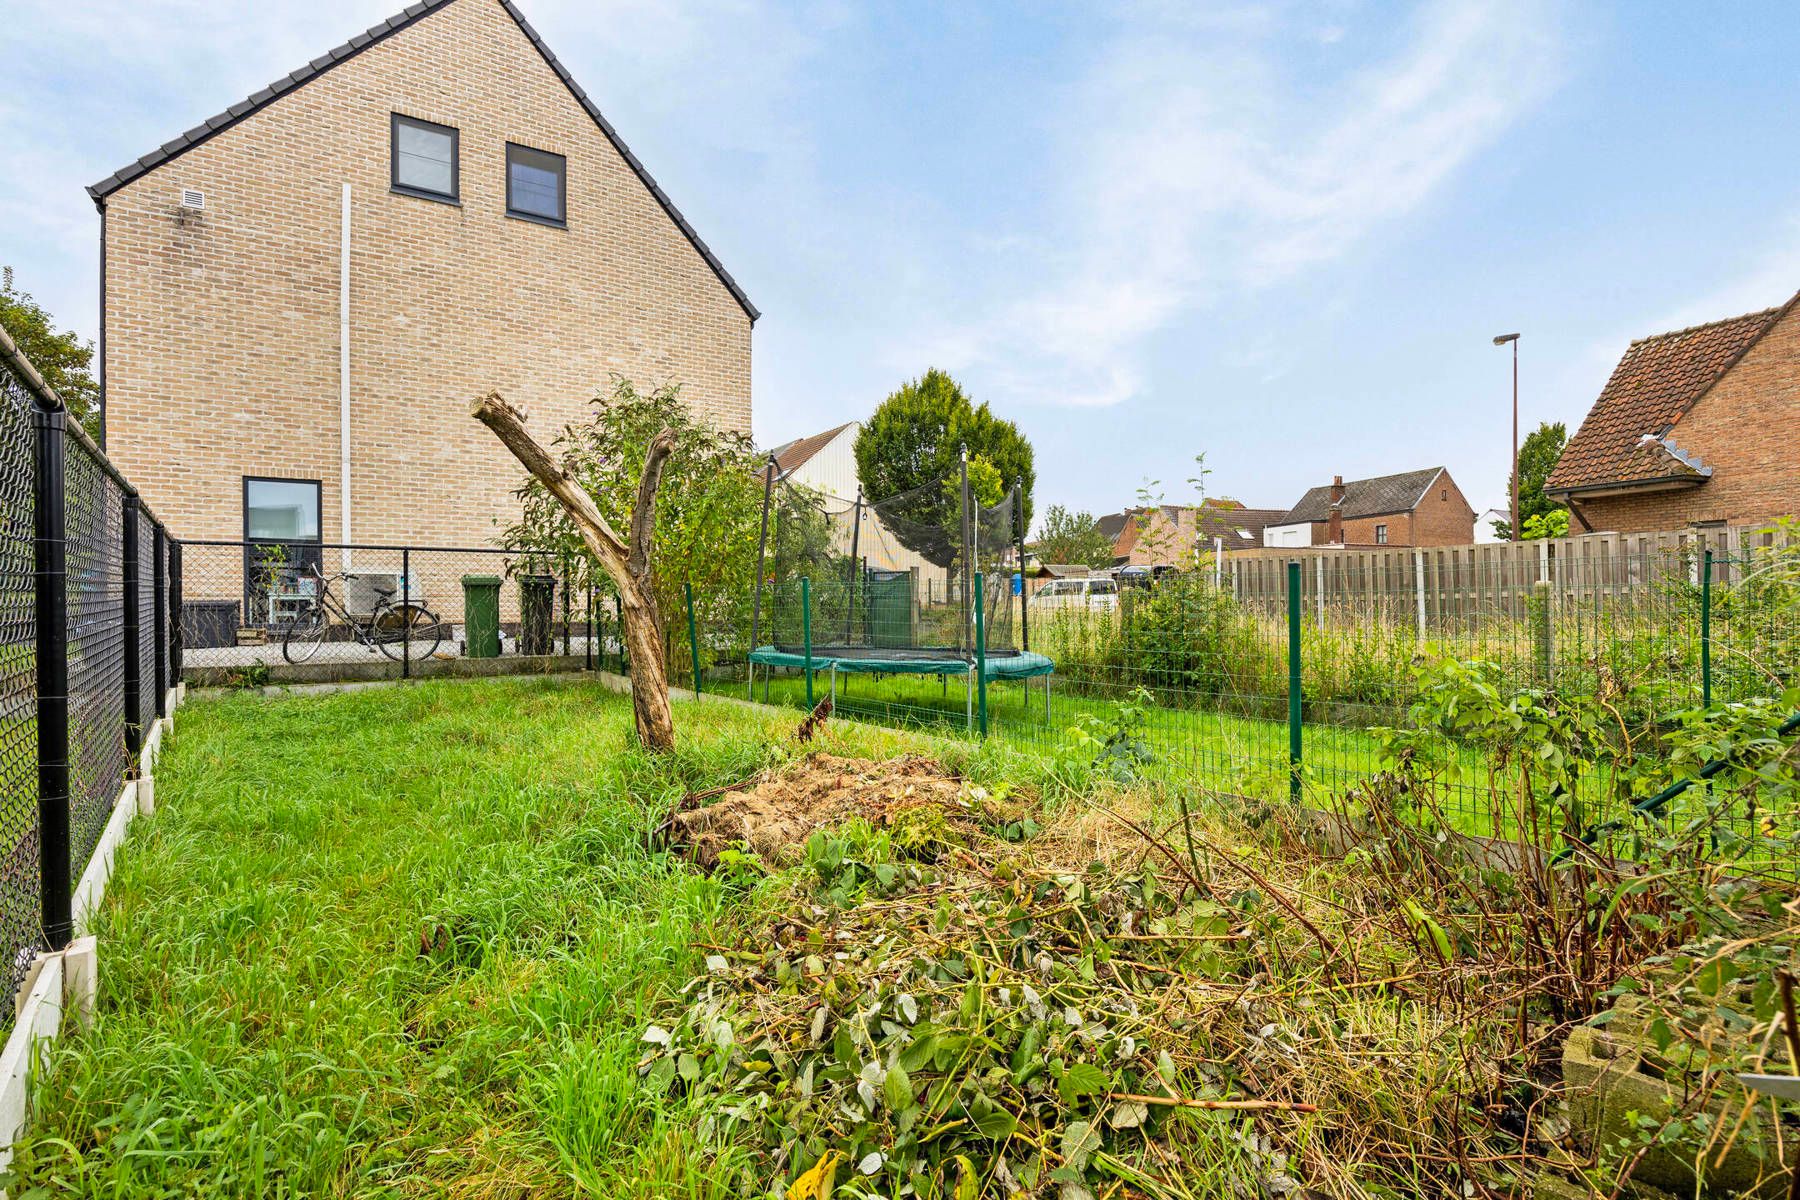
[[1281, 234]]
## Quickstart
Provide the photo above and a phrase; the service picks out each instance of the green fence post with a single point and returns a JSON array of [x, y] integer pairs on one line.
[[980, 658], [1293, 599], [1706, 572], [693, 638], [806, 632]]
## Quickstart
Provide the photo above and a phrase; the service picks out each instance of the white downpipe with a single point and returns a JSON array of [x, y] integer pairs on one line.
[[344, 376]]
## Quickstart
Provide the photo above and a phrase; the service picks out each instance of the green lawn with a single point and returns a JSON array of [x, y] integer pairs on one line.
[[398, 942], [1214, 744]]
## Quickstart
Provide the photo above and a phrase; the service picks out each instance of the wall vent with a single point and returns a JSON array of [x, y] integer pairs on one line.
[[193, 199]]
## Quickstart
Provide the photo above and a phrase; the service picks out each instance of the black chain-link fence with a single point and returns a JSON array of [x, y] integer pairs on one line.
[[291, 611], [86, 653]]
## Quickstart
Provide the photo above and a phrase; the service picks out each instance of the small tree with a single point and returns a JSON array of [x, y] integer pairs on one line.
[[1072, 537], [1537, 458], [63, 359], [692, 509], [913, 443]]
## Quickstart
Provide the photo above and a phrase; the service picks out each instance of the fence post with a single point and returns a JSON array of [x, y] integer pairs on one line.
[[619, 612], [566, 601], [1419, 589], [134, 673], [687, 587], [159, 582], [589, 660], [806, 633], [1294, 746], [1706, 574], [406, 613], [50, 614], [981, 716], [175, 647]]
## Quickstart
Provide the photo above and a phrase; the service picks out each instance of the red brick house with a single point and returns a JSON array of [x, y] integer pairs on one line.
[[1695, 427], [1413, 508]]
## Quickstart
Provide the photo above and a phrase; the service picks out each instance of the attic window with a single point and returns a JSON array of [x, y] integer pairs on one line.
[[1381, 535], [1443, 493], [536, 185], [424, 160]]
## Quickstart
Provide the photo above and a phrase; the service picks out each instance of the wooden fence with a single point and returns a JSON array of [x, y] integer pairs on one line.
[[1439, 586]]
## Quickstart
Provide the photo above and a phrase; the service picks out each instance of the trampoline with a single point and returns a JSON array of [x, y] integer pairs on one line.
[[919, 583]]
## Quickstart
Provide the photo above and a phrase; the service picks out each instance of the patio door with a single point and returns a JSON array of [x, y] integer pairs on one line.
[[281, 542]]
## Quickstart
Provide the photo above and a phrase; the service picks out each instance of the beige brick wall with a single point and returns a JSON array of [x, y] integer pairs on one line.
[[222, 329], [1744, 429]]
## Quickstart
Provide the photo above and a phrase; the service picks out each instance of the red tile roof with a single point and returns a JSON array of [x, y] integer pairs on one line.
[[800, 451], [1626, 437]]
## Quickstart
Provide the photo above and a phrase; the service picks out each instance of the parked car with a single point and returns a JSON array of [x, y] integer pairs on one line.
[[1144, 577], [1093, 595]]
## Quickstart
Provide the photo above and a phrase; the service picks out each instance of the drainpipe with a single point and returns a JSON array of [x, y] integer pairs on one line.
[[344, 377]]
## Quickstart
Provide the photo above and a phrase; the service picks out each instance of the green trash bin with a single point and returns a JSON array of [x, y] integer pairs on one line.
[[481, 616], [537, 612]]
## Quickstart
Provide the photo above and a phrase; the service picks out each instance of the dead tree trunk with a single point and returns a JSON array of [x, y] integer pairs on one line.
[[628, 563]]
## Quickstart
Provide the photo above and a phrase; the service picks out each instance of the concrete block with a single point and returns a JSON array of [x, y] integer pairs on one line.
[[1609, 1077], [40, 1017], [146, 796], [81, 979]]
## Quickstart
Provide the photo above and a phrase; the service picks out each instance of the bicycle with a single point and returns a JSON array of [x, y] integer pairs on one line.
[[402, 630]]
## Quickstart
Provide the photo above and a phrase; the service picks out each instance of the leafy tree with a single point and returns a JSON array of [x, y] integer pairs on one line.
[[1073, 537], [63, 359], [708, 506], [912, 445], [1537, 458], [1553, 524]]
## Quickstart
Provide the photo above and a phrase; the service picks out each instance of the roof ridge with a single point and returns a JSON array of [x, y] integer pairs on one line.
[[1761, 312], [380, 31]]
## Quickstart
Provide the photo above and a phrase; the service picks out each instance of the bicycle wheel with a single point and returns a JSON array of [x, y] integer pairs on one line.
[[303, 635], [407, 631]]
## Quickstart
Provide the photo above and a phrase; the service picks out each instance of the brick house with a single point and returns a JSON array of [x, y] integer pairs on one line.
[[302, 296], [1175, 533], [1695, 427], [1413, 508]]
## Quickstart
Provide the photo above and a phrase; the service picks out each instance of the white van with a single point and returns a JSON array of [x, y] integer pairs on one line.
[[1093, 595]]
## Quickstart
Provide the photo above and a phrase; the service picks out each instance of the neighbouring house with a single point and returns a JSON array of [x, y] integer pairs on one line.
[[1694, 428], [825, 464], [1175, 533], [1413, 508], [302, 296], [1484, 525]]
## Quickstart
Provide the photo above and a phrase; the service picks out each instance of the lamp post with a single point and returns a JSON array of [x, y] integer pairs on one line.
[[1502, 340]]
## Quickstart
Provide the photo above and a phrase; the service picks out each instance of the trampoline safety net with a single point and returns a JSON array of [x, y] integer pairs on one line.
[[891, 584]]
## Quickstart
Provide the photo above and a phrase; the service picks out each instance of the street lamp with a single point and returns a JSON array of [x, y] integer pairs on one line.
[[1502, 340]]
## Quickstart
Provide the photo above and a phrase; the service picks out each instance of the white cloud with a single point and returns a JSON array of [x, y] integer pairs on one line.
[[1198, 166]]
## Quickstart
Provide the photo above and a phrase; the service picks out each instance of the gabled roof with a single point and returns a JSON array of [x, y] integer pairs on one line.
[[1626, 438], [791, 456], [356, 45], [1241, 528], [1365, 497]]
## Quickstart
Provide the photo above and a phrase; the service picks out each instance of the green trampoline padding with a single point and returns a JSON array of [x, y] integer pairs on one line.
[[1022, 665]]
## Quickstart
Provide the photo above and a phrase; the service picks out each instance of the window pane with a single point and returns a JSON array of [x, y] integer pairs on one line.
[[424, 158], [282, 511], [534, 182], [1104, 587]]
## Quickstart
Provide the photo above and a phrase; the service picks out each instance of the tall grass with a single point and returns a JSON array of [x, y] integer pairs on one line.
[[399, 942]]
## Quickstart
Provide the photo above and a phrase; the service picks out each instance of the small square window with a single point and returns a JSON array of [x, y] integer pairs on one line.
[[424, 159], [1381, 535], [536, 185]]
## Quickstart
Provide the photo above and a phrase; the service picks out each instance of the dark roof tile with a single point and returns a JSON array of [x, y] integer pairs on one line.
[[1365, 497]]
